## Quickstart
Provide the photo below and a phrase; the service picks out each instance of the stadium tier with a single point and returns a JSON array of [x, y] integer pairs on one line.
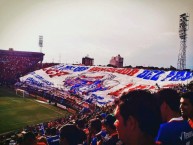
[[82, 90], [15, 64]]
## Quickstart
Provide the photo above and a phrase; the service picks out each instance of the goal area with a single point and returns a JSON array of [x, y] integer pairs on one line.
[[21, 93]]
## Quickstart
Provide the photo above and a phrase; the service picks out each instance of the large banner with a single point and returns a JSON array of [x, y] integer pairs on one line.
[[102, 85]]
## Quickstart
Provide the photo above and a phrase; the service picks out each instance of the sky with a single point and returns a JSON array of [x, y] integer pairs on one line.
[[143, 32]]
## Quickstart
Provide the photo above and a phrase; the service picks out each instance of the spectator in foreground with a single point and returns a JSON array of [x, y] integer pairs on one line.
[[169, 101], [186, 108], [71, 135], [112, 137], [186, 105], [137, 118], [94, 127], [29, 139], [53, 138], [170, 131]]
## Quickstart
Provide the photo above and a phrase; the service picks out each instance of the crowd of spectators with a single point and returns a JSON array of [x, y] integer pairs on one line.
[[137, 118], [15, 64], [134, 118], [89, 125], [44, 65]]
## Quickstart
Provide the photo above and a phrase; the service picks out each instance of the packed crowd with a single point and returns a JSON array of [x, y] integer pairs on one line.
[[15, 64], [13, 67], [136, 118]]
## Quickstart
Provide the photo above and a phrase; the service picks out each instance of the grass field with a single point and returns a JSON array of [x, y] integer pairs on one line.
[[17, 112]]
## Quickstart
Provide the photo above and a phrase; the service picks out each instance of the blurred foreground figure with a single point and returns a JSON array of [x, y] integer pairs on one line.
[[172, 122], [71, 135], [186, 108], [137, 118]]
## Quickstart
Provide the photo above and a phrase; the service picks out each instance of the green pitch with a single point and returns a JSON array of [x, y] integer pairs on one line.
[[17, 112]]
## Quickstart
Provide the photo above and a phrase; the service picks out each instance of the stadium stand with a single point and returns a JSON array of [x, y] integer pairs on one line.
[[50, 131], [73, 91], [15, 64]]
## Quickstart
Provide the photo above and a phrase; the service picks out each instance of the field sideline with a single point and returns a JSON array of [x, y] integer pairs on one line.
[[17, 112]]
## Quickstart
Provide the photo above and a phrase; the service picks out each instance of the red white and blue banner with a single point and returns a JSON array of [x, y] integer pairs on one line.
[[103, 84]]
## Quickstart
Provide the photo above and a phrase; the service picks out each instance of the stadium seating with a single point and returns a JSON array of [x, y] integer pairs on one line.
[[15, 64]]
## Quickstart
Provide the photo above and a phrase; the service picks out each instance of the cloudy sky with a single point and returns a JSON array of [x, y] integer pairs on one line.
[[144, 32]]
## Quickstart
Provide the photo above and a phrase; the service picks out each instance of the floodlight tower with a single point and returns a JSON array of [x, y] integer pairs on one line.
[[183, 27], [40, 42]]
